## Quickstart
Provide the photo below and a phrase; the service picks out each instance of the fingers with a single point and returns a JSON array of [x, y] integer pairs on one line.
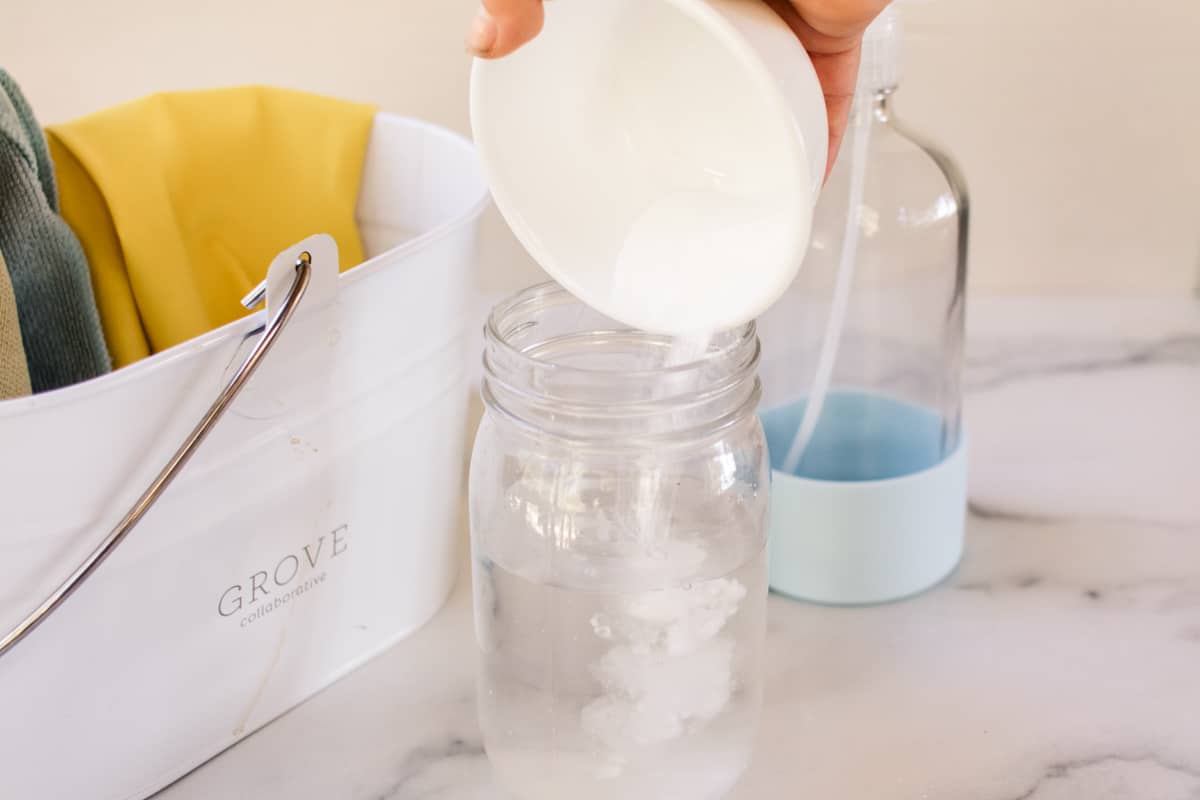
[[831, 31], [838, 74], [501, 26], [835, 20]]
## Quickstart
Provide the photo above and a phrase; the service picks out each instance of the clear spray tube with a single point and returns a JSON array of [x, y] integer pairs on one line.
[[835, 325]]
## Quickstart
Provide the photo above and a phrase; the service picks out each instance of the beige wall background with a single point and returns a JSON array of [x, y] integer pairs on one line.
[[1077, 122]]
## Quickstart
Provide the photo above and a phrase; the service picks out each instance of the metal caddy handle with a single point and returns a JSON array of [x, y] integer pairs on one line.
[[181, 457]]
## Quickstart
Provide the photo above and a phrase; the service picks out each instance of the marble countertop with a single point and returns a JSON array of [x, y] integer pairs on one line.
[[1062, 659]]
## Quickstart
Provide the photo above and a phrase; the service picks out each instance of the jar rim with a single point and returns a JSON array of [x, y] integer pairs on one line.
[[584, 402], [550, 291]]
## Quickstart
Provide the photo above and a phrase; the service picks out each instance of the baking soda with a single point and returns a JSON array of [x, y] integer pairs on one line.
[[688, 348], [681, 266], [652, 692]]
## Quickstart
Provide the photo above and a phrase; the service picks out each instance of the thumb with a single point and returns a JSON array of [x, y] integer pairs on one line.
[[501, 26]]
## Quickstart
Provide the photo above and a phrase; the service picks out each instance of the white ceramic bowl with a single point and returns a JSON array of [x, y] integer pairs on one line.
[[659, 158]]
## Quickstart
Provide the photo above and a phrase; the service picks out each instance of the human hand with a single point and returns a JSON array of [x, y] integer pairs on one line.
[[830, 30]]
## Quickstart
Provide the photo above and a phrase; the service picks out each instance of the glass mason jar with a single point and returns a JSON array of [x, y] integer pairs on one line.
[[618, 521]]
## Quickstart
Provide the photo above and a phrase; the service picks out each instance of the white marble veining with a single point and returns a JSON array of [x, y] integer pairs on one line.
[[1061, 661]]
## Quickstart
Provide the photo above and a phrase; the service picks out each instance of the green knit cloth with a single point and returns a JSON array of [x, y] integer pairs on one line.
[[60, 326], [14, 369]]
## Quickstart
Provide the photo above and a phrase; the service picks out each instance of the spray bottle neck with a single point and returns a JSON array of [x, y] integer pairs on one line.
[[881, 103], [875, 102], [880, 66]]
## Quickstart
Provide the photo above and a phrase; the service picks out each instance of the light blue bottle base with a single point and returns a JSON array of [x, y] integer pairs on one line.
[[874, 513]]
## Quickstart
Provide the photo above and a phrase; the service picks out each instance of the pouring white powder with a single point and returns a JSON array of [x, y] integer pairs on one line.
[[689, 348]]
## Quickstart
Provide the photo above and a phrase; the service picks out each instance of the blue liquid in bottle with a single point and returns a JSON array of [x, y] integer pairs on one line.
[[860, 437]]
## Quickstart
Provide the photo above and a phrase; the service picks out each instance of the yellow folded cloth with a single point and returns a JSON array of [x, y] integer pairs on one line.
[[182, 199]]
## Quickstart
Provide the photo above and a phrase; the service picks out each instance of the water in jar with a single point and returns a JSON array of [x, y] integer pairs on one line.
[[634, 675]]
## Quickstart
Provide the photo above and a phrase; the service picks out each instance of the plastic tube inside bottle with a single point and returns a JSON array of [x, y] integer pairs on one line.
[[835, 325]]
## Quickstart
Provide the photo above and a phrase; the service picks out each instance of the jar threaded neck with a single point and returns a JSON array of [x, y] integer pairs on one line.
[[556, 366]]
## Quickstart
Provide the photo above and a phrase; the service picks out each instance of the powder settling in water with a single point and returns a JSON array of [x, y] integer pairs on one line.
[[669, 667]]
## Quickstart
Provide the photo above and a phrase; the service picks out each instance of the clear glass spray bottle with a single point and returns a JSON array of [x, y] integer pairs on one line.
[[863, 361]]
